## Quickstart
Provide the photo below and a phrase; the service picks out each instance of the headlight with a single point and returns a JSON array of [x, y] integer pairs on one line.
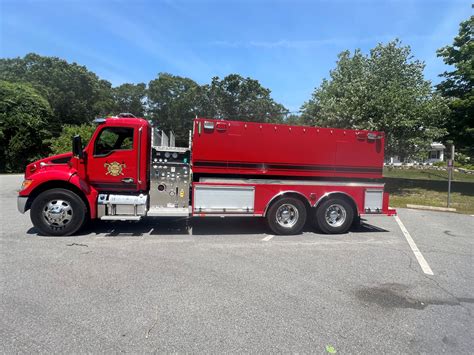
[[25, 184]]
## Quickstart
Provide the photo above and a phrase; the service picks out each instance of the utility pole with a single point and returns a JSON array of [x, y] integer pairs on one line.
[[450, 173]]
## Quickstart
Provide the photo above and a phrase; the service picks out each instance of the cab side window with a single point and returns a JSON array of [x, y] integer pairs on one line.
[[113, 138]]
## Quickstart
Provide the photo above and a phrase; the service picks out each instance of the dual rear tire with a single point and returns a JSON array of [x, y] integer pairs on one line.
[[334, 216], [287, 216]]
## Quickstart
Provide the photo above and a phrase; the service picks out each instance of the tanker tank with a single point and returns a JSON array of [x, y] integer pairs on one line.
[[236, 148]]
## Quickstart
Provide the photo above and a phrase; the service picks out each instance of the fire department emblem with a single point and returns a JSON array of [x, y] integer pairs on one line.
[[114, 168]]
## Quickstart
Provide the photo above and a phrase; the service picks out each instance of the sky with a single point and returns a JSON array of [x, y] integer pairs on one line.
[[289, 46]]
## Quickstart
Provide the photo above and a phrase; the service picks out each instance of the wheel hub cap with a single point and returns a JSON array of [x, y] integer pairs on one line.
[[57, 213], [335, 215], [287, 215]]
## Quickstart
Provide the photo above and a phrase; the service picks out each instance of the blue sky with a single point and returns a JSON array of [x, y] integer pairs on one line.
[[289, 46]]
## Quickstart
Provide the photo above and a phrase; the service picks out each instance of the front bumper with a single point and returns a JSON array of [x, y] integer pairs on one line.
[[21, 203]]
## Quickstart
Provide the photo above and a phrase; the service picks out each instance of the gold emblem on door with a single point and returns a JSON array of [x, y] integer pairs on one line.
[[114, 168]]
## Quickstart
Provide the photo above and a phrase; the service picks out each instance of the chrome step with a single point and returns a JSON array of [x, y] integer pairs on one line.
[[120, 218], [168, 212]]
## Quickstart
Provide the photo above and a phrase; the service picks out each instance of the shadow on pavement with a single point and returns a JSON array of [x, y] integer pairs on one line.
[[198, 226], [364, 227]]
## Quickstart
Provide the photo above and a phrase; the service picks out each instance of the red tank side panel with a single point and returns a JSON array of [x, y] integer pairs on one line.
[[249, 148], [265, 193]]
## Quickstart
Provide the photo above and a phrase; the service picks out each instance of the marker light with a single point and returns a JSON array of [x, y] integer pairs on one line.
[[25, 184]]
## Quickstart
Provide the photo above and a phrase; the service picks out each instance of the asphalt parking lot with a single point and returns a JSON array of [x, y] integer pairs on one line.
[[216, 285]]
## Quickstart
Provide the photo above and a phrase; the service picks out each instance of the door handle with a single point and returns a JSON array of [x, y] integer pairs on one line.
[[128, 180]]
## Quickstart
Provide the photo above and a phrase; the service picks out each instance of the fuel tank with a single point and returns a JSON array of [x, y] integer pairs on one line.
[[249, 148]]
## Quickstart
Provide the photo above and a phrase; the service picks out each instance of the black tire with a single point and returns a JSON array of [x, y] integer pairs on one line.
[[343, 216], [289, 209], [58, 212]]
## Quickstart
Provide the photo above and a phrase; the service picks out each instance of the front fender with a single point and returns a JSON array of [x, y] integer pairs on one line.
[[89, 192], [44, 180], [42, 177]]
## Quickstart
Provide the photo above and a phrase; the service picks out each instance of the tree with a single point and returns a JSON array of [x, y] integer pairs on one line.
[[76, 95], [24, 115], [63, 143], [130, 98], [458, 87], [386, 91], [245, 99], [174, 101], [173, 104], [294, 119]]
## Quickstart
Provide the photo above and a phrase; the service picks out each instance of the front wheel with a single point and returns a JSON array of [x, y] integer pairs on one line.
[[334, 216], [58, 212], [286, 216]]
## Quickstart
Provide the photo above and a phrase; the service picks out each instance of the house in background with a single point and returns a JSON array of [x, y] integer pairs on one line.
[[435, 154]]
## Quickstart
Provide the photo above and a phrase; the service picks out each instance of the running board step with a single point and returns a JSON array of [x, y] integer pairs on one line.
[[169, 212], [120, 218]]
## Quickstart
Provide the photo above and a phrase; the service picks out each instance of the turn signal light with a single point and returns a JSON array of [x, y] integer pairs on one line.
[[25, 184]]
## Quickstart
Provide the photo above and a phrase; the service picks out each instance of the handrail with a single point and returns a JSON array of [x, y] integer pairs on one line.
[[139, 154]]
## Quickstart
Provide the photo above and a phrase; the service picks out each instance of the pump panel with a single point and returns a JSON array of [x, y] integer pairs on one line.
[[170, 177]]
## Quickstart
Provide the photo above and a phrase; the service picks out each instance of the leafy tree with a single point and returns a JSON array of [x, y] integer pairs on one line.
[[384, 91], [458, 86], [174, 101], [24, 115], [75, 94], [130, 98], [63, 143], [294, 119], [239, 98], [173, 104]]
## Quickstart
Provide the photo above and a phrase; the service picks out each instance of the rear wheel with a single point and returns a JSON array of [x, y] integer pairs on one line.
[[334, 216], [286, 216], [58, 212]]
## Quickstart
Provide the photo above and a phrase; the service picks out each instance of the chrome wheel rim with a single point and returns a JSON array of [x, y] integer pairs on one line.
[[287, 215], [335, 215], [57, 213]]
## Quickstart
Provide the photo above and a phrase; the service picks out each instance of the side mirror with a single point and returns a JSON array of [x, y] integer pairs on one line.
[[77, 147]]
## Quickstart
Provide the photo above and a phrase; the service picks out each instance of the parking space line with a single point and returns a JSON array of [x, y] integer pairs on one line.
[[421, 260], [267, 238]]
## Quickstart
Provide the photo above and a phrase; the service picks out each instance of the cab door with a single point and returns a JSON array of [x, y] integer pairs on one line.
[[112, 161]]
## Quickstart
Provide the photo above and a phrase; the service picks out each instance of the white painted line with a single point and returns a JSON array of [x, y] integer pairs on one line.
[[267, 238], [421, 260]]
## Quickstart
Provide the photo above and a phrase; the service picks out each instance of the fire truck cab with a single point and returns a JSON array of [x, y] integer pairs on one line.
[[288, 175]]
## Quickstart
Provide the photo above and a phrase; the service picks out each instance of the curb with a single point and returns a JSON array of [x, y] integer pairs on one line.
[[431, 208]]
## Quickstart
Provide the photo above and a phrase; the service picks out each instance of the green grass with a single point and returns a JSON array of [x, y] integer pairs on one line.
[[429, 187]]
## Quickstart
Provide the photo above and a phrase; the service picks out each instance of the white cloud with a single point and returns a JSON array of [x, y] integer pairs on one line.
[[301, 44]]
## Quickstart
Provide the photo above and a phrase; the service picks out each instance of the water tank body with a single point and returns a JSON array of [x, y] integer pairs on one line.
[[250, 148]]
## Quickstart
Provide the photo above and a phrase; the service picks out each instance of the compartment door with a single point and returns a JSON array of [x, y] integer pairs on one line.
[[224, 199]]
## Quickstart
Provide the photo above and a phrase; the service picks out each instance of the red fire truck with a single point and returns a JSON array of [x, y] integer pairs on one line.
[[286, 174]]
